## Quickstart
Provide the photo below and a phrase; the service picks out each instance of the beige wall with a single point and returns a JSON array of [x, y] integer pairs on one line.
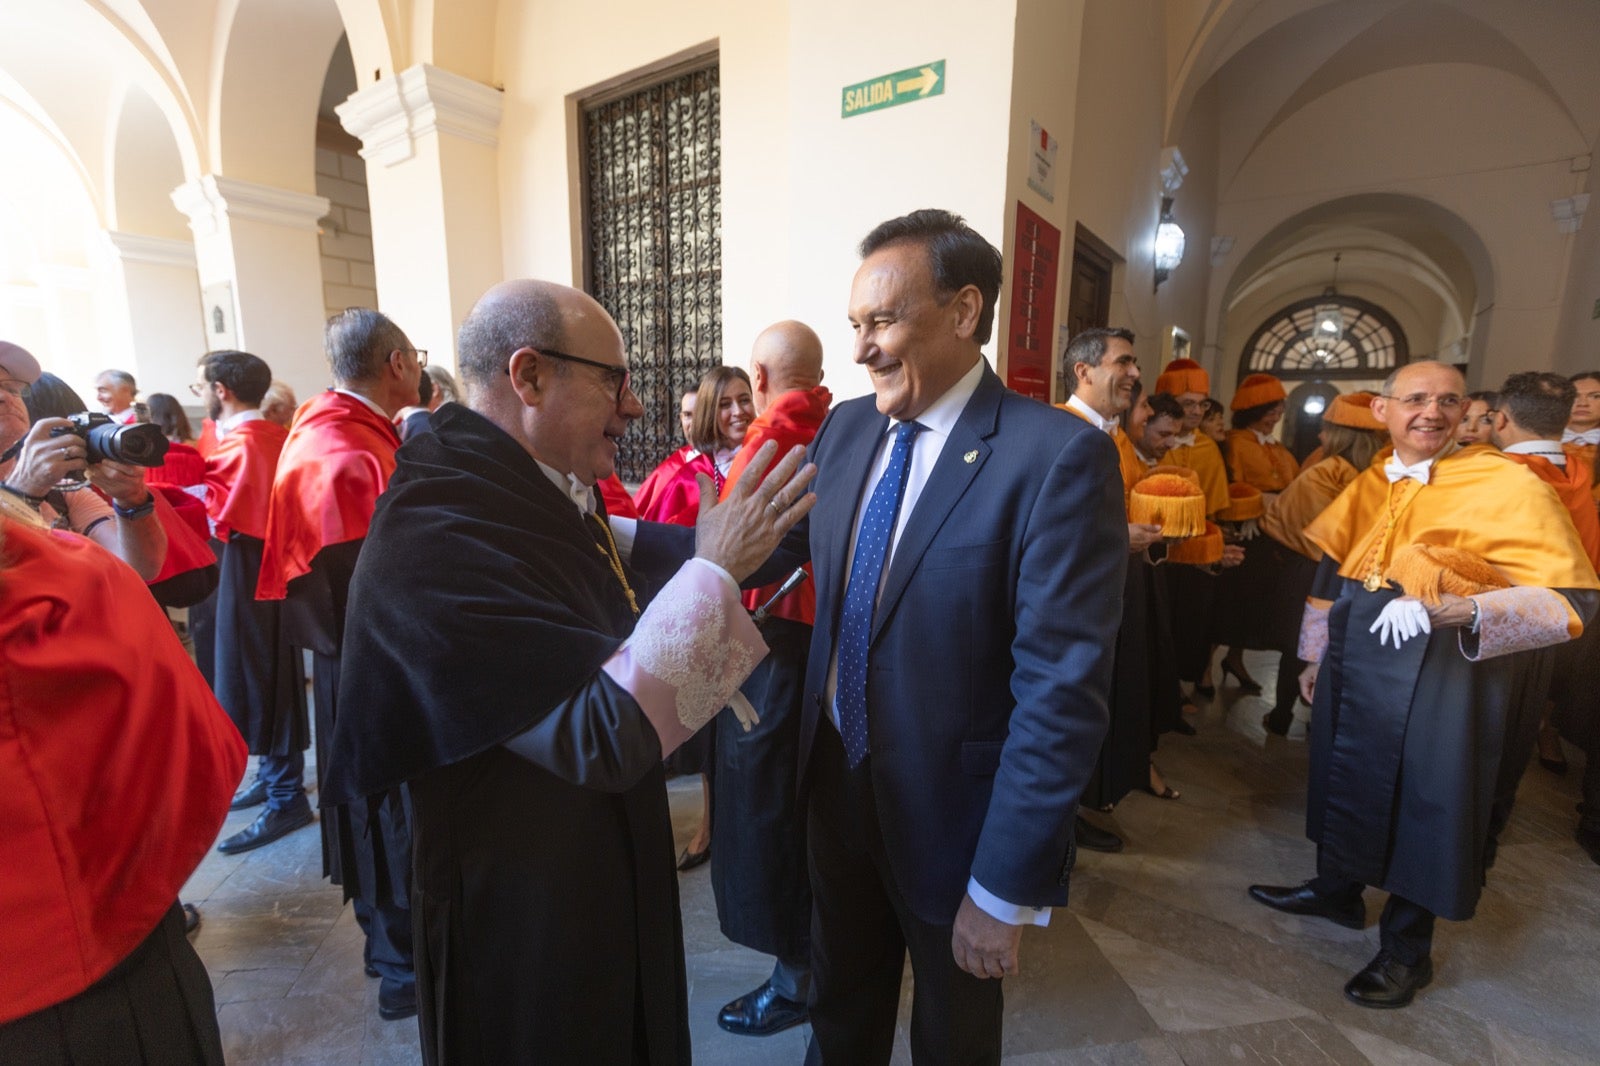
[[348, 278]]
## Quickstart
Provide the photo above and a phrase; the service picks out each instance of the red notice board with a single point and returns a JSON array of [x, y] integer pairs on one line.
[[1034, 269]]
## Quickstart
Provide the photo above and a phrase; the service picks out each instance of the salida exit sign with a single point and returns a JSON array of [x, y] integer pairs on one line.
[[892, 90]]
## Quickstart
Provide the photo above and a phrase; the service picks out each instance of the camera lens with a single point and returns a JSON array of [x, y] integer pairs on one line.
[[140, 444]]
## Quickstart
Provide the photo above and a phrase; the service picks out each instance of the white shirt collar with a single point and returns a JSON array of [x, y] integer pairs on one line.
[[1184, 441], [581, 495], [1421, 472], [237, 419], [1549, 449], [1263, 439], [1588, 436], [1145, 459], [1102, 424], [356, 395], [941, 415]]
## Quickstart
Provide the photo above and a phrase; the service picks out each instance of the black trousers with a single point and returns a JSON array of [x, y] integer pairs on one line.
[[1404, 928], [155, 1006], [861, 931]]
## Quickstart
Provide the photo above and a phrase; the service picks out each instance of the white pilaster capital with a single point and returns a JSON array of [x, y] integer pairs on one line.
[[389, 116], [142, 248], [209, 200]]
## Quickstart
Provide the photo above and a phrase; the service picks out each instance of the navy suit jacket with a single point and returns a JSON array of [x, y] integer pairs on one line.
[[990, 662], [990, 658]]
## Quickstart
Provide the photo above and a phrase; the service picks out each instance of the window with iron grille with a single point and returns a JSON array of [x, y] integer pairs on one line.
[[1288, 345], [653, 226]]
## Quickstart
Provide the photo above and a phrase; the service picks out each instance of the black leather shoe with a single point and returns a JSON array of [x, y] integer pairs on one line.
[[268, 826], [761, 1013], [1387, 983], [397, 999], [1589, 841], [370, 970], [245, 798], [1095, 838], [191, 919], [688, 860], [1303, 899]]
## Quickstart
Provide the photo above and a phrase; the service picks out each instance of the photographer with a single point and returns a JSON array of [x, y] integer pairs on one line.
[[127, 526]]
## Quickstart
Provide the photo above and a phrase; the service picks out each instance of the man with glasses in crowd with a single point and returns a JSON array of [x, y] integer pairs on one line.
[[333, 467], [1413, 697], [528, 702]]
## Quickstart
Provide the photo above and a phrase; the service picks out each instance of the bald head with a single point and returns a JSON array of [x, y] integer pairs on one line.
[[525, 313], [786, 357]]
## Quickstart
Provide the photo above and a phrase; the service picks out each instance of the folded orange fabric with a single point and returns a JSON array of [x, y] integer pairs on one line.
[[1244, 503]]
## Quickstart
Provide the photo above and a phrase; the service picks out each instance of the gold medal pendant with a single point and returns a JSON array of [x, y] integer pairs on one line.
[[1373, 582]]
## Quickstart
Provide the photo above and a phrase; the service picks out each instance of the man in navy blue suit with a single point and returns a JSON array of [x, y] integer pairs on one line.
[[969, 546]]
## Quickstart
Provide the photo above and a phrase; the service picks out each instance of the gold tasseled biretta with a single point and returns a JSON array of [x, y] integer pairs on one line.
[[1203, 550], [1170, 501], [1244, 503]]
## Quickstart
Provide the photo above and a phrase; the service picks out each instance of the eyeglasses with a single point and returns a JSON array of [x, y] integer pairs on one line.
[[1419, 401], [14, 386], [197, 389], [619, 374]]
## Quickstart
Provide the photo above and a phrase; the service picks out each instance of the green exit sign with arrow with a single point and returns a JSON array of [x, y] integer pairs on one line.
[[892, 90]]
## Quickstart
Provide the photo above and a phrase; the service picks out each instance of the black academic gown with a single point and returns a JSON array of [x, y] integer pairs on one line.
[[366, 847], [545, 899], [758, 839], [1406, 752], [258, 674], [1124, 762]]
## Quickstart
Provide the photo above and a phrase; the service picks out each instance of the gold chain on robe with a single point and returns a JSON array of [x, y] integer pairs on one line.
[[1380, 551], [609, 550]]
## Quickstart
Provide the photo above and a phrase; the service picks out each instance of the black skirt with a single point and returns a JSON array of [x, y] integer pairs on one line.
[[155, 1006]]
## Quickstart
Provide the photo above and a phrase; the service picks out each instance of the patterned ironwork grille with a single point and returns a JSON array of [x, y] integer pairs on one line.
[[653, 215], [1286, 344]]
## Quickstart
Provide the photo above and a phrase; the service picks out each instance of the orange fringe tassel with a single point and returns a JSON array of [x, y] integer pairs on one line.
[[1426, 571]]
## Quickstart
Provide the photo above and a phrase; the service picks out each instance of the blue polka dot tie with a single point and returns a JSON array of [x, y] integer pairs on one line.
[[861, 595]]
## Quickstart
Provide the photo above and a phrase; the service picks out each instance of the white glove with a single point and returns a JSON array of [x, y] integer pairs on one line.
[[744, 711], [1402, 618], [1249, 530]]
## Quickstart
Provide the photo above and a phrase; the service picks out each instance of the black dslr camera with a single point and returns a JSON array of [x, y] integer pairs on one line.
[[141, 444]]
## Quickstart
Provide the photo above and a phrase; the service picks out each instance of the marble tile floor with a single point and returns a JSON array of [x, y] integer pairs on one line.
[[1160, 959]]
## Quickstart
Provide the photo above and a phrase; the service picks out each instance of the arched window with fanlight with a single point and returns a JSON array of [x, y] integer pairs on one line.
[[1326, 337]]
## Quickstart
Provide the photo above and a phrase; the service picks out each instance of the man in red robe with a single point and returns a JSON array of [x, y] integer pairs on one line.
[[256, 673], [758, 863], [118, 765], [335, 463]]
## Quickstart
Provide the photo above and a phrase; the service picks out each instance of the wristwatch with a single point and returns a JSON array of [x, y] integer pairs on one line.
[[138, 510]]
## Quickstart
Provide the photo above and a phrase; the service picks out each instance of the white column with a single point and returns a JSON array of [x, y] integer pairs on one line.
[[431, 142], [159, 318], [260, 272]]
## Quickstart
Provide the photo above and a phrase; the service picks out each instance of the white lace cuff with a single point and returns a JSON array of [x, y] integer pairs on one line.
[[691, 649], [1314, 631], [1517, 619]]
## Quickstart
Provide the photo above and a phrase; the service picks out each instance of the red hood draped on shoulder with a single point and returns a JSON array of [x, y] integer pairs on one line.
[[239, 475], [793, 418], [117, 761], [335, 464]]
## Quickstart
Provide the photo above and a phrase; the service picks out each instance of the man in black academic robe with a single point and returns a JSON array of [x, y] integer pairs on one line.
[[499, 688]]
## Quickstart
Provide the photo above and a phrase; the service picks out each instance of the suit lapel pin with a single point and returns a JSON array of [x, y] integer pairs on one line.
[[971, 457]]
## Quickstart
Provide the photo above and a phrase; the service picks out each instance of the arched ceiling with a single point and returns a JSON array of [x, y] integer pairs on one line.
[[1270, 58]]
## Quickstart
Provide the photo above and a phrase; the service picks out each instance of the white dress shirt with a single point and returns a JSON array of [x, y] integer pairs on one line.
[[1548, 449], [237, 419], [1105, 425]]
